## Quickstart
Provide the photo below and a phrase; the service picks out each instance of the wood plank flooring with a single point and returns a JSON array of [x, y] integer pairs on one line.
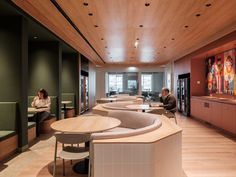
[[206, 153]]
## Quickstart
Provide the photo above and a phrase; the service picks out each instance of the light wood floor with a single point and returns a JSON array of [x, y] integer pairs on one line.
[[206, 153]]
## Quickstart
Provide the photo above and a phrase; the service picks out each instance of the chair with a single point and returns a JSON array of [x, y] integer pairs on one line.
[[167, 113], [171, 114], [70, 152]]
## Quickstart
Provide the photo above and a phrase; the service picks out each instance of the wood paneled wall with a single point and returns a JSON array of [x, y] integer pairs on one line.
[[193, 63]]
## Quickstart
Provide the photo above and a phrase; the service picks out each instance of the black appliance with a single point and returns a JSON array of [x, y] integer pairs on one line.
[[183, 94]]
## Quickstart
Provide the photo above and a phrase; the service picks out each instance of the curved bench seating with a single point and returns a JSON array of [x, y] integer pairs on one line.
[[117, 105], [132, 123], [138, 147]]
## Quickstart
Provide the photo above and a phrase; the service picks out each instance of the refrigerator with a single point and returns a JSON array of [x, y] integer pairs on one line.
[[84, 94], [183, 95]]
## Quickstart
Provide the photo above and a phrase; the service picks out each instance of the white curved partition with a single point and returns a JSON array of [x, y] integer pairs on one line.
[[133, 123], [117, 105], [153, 153]]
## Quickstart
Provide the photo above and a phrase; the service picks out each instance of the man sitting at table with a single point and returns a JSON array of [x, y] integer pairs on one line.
[[168, 100], [169, 103], [42, 103]]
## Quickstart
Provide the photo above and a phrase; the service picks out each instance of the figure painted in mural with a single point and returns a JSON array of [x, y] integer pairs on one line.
[[229, 73], [218, 68], [210, 71], [42, 103]]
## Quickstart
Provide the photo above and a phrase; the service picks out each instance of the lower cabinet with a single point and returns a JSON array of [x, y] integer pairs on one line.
[[228, 120], [220, 114]]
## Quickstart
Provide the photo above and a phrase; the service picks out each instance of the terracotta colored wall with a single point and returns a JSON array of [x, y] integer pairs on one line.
[[198, 81], [182, 66], [193, 63]]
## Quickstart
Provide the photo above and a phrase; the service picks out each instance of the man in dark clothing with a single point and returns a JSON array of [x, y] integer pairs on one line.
[[169, 105], [168, 100]]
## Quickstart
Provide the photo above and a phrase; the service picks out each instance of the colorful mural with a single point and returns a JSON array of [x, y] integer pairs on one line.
[[220, 73]]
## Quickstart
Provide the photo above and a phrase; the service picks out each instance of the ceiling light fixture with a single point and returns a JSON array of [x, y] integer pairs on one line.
[[208, 5], [35, 37], [136, 44]]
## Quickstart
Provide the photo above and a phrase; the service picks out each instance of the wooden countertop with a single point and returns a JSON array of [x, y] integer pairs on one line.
[[216, 99], [168, 128]]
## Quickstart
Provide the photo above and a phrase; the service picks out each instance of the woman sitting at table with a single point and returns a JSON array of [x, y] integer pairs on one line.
[[42, 103]]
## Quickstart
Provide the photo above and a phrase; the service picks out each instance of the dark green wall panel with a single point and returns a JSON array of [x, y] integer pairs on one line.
[[13, 69], [70, 75], [10, 58], [43, 67]]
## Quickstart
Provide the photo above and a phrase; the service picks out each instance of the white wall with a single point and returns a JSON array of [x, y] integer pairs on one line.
[[169, 73], [101, 71]]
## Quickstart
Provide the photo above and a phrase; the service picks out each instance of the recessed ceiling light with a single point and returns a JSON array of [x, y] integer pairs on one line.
[[140, 26], [90, 14], [95, 26], [147, 4], [35, 37], [198, 15], [186, 26], [136, 44], [208, 5], [85, 4]]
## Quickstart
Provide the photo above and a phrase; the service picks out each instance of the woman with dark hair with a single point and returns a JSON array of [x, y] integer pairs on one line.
[[42, 103]]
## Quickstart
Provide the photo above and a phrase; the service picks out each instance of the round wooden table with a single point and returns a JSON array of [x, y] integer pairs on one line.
[[142, 107], [110, 99], [83, 125]]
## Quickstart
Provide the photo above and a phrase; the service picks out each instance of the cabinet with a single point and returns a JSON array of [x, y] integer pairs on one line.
[[228, 120], [220, 114]]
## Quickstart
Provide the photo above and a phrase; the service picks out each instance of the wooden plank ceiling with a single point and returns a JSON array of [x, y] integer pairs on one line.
[[164, 29]]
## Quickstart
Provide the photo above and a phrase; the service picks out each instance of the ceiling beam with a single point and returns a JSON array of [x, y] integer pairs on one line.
[[54, 2]]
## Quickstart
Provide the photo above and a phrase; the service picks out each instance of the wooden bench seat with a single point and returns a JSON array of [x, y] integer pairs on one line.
[[31, 131], [5, 134], [8, 129]]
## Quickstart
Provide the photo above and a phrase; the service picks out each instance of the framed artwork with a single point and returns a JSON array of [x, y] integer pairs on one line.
[[220, 73]]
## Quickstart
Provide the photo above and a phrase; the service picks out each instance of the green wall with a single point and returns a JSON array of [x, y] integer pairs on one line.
[[13, 69], [45, 69], [70, 75], [10, 58]]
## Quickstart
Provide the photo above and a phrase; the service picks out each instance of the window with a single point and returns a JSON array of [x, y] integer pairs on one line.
[[146, 82], [115, 82], [132, 84]]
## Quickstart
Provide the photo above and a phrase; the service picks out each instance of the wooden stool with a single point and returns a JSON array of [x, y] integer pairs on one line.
[[70, 113], [45, 126]]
